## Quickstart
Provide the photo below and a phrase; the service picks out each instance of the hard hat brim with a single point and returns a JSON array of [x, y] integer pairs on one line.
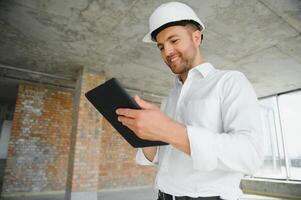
[[148, 38]]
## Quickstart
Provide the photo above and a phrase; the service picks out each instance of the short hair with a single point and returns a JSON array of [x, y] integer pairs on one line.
[[188, 23]]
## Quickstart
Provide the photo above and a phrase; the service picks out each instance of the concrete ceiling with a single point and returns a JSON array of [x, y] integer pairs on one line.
[[55, 38]]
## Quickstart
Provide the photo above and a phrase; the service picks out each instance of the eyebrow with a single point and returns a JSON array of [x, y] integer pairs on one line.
[[169, 38]]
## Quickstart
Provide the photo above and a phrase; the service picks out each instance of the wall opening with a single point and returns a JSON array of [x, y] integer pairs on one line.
[[8, 95]]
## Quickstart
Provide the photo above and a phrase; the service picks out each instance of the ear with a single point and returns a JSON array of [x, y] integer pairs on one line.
[[197, 37]]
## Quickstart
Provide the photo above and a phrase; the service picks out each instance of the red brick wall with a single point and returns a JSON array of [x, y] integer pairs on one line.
[[40, 143], [40, 140], [117, 167], [115, 158]]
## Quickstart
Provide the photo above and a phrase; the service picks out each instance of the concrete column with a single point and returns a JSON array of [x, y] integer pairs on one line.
[[83, 168]]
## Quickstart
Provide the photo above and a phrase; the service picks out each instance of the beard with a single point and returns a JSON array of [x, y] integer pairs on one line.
[[179, 65]]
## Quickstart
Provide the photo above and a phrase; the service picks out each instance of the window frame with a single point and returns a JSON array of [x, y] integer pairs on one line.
[[285, 187]]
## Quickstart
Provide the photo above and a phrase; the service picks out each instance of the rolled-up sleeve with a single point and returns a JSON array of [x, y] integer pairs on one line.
[[240, 146]]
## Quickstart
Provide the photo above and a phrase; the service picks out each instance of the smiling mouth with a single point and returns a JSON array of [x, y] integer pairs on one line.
[[173, 59]]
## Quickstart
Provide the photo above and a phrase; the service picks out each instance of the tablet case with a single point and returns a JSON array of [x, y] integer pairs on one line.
[[109, 96]]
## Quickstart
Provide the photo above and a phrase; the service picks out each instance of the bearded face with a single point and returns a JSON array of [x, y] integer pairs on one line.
[[178, 49]]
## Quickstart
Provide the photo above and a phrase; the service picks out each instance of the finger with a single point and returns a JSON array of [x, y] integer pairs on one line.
[[144, 104], [132, 113], [126, 121]]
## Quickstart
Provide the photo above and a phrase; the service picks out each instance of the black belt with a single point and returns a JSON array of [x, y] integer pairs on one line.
[[164, 196]]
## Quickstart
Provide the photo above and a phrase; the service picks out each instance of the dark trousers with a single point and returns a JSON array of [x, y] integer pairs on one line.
[[164, 196]]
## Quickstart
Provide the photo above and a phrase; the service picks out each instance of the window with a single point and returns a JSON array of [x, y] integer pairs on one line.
[[281, 117], [290, 115]]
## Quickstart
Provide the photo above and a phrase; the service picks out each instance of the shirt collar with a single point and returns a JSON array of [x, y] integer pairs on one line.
[[204, 69]]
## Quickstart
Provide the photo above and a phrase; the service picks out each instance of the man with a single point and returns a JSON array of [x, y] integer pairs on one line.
[[210, 119]]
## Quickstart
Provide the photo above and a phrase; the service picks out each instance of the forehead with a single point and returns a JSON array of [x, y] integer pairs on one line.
[[165, 34]]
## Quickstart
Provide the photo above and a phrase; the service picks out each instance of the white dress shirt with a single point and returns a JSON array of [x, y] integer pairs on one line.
[[221, 113]]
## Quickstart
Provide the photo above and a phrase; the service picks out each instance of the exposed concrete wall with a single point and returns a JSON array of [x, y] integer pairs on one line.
[[57, 37]]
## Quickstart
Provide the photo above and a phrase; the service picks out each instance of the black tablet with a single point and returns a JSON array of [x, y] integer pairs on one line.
[[108, 97]]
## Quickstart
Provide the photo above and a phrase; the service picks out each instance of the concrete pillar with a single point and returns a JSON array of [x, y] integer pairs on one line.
[[83, 168]]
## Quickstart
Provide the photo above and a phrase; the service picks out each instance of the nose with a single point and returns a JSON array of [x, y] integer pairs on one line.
[[168, 50]]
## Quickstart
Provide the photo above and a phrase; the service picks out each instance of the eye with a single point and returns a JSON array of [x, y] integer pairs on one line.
[[174, 41], [161, 48]]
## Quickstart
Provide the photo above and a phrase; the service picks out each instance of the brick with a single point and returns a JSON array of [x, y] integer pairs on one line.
[[36, 156], [41, 137]]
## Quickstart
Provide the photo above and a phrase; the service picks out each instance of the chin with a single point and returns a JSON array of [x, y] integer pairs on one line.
[[177, 69], [178, 72], [173, 69]]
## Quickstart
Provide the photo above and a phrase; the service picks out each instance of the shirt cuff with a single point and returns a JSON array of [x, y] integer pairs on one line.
[[142, 160], [202, 148]]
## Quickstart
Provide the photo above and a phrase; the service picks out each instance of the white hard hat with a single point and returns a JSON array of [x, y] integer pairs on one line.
[[169, 13]]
